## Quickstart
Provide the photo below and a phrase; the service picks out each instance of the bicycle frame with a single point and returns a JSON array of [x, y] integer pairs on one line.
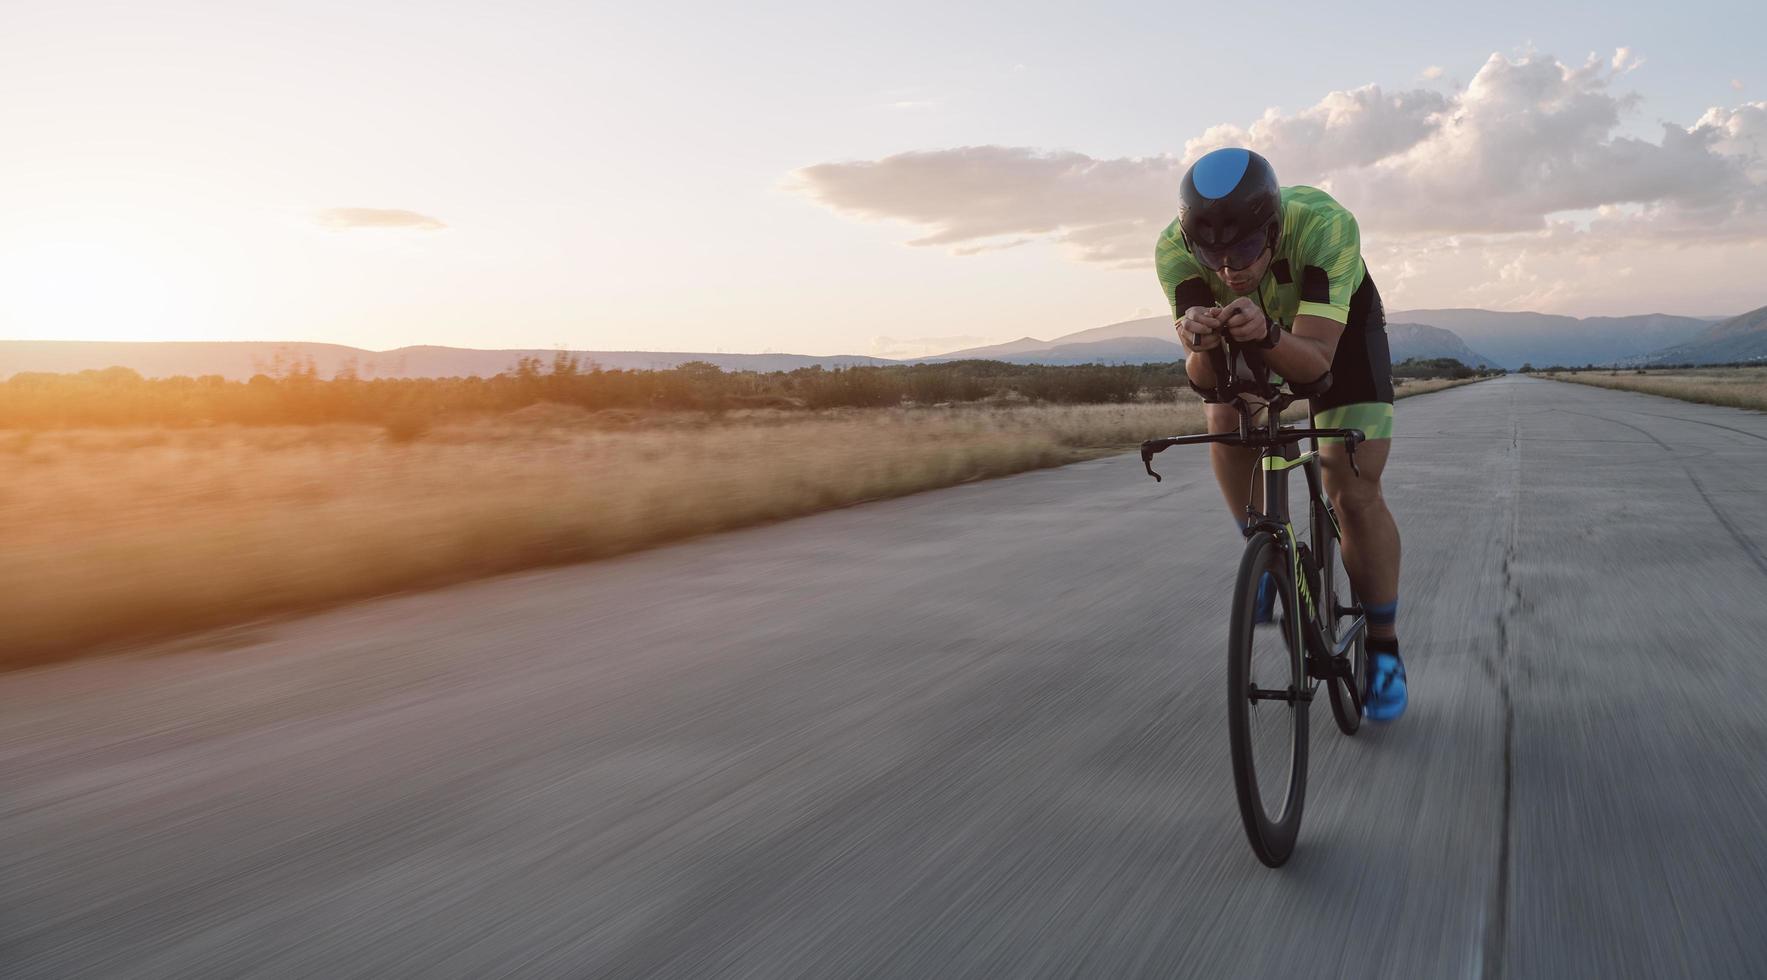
[[1276, 520], [1318, 650], [1279, 453]]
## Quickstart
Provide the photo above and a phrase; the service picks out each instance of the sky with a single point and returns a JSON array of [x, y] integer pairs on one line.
[[818, 178]]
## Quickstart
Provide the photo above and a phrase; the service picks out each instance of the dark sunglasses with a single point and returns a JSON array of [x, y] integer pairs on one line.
[[1239, 255]]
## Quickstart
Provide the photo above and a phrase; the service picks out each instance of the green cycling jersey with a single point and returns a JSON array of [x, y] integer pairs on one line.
[[1317, 267]]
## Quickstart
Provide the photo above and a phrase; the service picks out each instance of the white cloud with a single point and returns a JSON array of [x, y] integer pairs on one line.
[[1532, 137], [1544, 275], [1740, 133], [1432, 73], [345, 219], [1495, 166], [1345, 129], [972, 198], [990, 246], [1736, 83]]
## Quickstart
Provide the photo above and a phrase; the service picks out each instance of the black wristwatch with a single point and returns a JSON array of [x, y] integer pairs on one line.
[[1270, 338]]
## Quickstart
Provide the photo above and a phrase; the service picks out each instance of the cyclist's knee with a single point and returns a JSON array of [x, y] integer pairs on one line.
[[1359, 484], [1353, 496]]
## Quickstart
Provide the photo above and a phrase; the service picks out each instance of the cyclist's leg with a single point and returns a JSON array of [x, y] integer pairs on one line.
[[1361, 397], [1234, 468], [1370, 535], [1233, 464], [1371, 555]]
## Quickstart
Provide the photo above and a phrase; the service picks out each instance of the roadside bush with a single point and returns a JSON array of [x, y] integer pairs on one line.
[[406, 426], [407, 408], [1432, 367]]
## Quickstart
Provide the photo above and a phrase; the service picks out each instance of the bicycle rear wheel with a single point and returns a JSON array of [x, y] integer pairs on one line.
[[1336, 592], [1266, 715]]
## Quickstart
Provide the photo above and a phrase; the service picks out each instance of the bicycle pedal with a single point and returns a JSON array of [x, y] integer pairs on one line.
[[1324, 667]]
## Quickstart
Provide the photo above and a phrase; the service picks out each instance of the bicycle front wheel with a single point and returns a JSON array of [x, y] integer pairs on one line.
[[1266, 713], [1336, 593]]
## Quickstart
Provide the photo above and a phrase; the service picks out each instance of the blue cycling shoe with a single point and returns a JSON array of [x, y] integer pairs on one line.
[[1266, 600], [1386, 687]]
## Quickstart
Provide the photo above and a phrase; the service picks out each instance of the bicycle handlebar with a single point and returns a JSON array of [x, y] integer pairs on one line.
[[1282, 437], [1229, 385]]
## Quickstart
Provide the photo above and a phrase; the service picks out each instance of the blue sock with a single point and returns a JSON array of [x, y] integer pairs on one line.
[[1383, 614]]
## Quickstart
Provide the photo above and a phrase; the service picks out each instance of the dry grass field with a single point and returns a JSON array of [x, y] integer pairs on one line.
[[126, 534], [1744, 387]]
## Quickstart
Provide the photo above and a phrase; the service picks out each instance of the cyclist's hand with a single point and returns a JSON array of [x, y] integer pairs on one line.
[[1198, 328], [1244, 321]]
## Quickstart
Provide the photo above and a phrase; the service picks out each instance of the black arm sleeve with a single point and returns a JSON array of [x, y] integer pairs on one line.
[[1191, 292]]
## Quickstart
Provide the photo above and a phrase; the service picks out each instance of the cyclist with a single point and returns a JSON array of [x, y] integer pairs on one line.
[[1281, 268]]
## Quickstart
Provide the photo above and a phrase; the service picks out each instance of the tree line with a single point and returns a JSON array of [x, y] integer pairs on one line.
[[1612, 368], [296, 395], [1439, 367]]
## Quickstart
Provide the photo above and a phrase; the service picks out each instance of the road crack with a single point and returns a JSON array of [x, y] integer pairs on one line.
[[1743, 540], [1497, 918]]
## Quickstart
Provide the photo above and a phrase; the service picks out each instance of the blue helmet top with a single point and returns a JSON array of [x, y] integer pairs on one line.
[[1229, 195], [1218, 173]]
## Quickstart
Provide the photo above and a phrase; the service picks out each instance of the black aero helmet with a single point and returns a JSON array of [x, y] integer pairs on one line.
[[1230, 198]]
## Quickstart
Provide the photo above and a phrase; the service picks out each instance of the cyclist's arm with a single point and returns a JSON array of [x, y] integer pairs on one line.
[[1198, 364], [1306, 353], [1181, 280], [1330, 274]]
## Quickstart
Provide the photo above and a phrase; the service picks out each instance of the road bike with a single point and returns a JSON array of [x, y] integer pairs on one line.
[[1317, 633]]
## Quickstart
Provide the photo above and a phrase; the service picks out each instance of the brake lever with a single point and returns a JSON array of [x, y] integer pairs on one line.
[[1147, 461], [1350, 445], [1223, 364]]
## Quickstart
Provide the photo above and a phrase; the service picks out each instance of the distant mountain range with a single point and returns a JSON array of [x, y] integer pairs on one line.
[[1476, 337], [1149, 346], [1101, 343], [1481, 338], [1149, 340], [1420, 340], [1514, 339], [1740, 338], [239, 360]]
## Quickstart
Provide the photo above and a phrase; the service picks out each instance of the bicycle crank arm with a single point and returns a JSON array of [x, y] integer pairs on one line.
[[1325, 668], [1287, 694], [1351, 635]]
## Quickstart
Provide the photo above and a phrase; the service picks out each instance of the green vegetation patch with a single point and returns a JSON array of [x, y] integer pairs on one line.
[[407, 407]]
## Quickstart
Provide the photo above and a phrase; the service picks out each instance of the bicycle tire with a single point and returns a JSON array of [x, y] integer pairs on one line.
[[1272, 835], [1335, 584]]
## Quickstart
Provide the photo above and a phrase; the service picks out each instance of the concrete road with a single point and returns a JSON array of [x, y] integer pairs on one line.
[[972, 733]]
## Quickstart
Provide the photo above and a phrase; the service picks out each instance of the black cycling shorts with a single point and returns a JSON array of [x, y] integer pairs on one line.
[[1362, 369]]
